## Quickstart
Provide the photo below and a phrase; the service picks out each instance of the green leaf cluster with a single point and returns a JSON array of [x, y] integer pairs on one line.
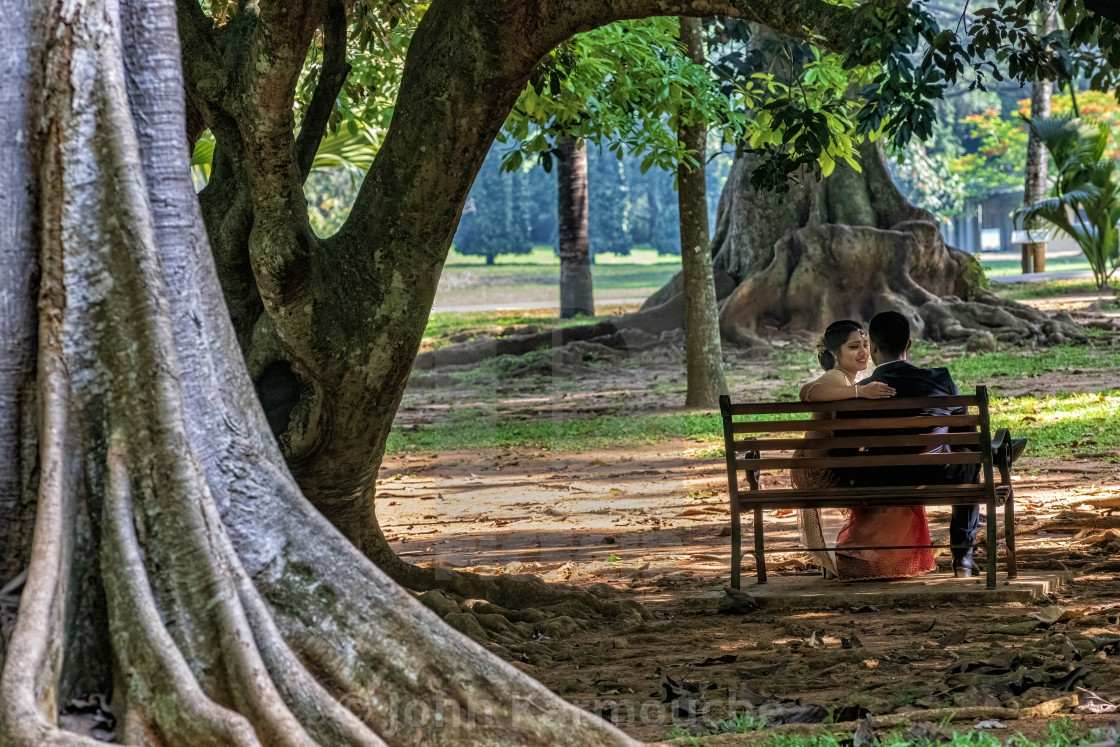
[[1087, 45], [627, 86], [377, 44]]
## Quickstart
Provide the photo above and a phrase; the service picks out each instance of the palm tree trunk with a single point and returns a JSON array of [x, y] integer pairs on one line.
[[575, 247]]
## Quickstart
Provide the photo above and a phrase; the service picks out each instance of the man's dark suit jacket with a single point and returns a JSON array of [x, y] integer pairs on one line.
[[910, 381]]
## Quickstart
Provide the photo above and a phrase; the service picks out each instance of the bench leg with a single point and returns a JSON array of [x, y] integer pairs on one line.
[[736, 546], [1009, 534], [992, 541], [759, 554]]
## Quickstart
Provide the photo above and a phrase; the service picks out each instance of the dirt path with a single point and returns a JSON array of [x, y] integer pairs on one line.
[[649, 523]]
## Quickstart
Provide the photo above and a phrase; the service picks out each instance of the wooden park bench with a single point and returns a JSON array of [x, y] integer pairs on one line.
[[773, 440]]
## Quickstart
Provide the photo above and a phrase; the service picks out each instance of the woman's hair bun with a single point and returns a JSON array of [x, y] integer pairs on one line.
[[835, 335]]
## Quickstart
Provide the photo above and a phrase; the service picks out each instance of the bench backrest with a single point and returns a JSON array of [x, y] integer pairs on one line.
[[848, 426]]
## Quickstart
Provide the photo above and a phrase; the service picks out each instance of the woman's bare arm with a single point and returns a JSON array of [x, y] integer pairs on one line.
[[828, 389]]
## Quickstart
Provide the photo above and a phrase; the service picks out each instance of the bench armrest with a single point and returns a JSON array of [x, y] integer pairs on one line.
[[1001, 454]]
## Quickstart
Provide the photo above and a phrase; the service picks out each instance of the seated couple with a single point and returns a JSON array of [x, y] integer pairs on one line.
[[843, 352]]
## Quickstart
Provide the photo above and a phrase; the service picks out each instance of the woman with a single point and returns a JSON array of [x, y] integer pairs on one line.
[[843, 351]]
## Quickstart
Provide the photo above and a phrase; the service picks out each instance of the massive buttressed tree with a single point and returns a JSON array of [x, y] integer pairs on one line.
[[215, 582]]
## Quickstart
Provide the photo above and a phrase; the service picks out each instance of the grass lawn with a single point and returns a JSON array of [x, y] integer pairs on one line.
[[446, 322], [1050, 288], [1064, 425], [1061, 732], [524, 280], [994, 268]]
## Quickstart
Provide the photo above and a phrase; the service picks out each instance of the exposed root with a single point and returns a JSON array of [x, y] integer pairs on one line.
[[982, 324], [326, 719], [160, 693], [824, 272], [33, 660], [507, 609]]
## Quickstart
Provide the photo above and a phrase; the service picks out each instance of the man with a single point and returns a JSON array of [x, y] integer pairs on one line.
[[889, 333]]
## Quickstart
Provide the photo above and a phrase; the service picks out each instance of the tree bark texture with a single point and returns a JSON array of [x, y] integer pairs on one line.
[[1034, 188], [18, 273], [850, 246], [703, 350], [234, 613], [576, 293]]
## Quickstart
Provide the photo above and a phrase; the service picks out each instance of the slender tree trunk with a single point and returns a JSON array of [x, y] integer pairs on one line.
[[703, 352], [1034, 189], [576, 295]]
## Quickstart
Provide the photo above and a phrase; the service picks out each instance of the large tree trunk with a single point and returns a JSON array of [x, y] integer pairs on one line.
[[17, 305], [174, 561], [1034, 188], [576, 294], [702, 348], [850, 246]]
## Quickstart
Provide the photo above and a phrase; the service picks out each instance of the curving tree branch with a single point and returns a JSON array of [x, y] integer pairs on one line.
[[332, 76], [796, 18]]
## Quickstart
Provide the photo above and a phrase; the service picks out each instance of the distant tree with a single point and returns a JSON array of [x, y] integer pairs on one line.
[[610, 204], [975, 155], [495, 218], [1034, 182], [540, 202], [663, 212], [574, 247], [621, 86]]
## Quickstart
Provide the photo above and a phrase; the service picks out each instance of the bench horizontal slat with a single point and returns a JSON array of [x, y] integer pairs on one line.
[[854, 442], [786, 550], [843, 405], [884, 497], [846, 424], [867, 460]]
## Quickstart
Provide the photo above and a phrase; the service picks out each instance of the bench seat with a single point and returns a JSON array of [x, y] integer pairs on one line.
[[842, 432]]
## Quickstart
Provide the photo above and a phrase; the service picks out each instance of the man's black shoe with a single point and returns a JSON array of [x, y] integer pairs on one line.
[[964, 568], [1018, 445]]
